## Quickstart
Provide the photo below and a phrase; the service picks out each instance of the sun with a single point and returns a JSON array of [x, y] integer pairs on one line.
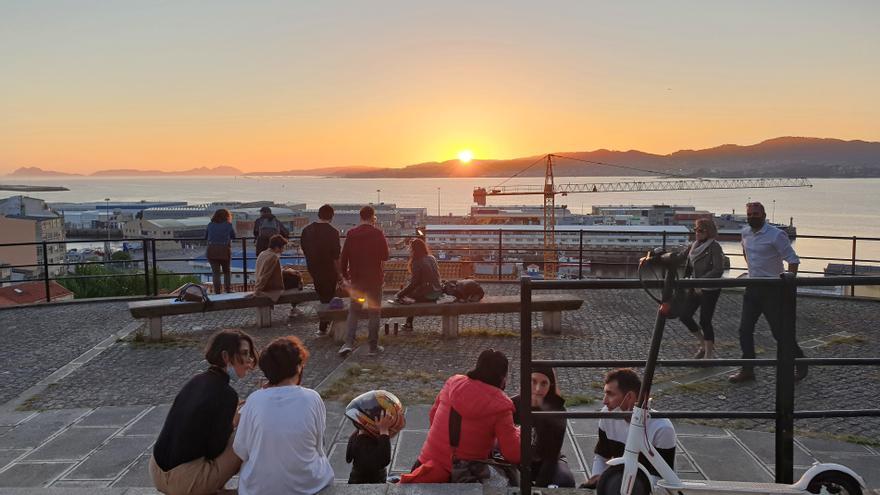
[[465, 156]]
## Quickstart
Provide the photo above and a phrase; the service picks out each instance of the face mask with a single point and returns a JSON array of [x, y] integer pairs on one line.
[[756, 223], [233, 376]]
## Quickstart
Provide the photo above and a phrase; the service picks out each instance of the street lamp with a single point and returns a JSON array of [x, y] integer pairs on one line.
[[107, 223], [438, 201], [378, 192]]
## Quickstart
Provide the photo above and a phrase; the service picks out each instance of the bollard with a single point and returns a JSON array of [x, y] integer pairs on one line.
[[386, 328], [396, 327]]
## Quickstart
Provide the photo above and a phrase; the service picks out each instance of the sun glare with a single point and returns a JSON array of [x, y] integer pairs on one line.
[[465, 156]]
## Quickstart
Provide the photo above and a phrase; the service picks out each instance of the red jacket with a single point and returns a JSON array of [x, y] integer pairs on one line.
[[486, 415], [362, 255]]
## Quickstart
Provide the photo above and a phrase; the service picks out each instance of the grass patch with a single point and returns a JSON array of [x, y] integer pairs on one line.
[[696, 387], [579, 400], [845, 339], [411, 386], [843, 437], [485, 332]]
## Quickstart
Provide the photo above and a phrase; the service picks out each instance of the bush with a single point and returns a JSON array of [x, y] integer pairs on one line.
[[114, 282]]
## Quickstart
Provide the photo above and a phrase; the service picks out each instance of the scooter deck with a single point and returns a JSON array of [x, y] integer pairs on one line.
[[730, 487]]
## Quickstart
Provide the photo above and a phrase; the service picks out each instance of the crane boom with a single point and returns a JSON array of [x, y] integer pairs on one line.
[[480, 193]]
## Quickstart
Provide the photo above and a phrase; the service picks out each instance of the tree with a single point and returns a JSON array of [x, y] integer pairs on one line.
[[88, 281]]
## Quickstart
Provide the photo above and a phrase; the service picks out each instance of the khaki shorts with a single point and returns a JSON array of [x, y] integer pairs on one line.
[[197, 477]]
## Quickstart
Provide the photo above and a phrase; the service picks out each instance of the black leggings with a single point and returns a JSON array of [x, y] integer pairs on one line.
[[557, 473], [706, 301]]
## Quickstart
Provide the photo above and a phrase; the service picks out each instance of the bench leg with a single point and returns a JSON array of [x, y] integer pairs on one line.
[[338, 329], [450, 326], [552, 322], [154, 328], [264, 316]]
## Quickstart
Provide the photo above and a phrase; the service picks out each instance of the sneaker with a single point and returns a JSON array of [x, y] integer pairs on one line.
[[376, 351], [392, 479], [407, 327], [345, 350], [321, 333], [295, 313], [742, 376], [701, 353]]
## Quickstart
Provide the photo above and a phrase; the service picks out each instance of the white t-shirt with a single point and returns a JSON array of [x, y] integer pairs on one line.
[[280, 438], [612, 440]]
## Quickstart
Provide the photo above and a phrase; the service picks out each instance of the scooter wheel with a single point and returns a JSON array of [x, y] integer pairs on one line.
[[835, 483], [612, 478]]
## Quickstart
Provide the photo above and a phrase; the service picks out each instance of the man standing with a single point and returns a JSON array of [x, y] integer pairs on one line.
[[265, 227], [320, 245], [621, 391], [764, 247], [362, 259]]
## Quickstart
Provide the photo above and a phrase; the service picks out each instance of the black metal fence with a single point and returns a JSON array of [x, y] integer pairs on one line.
[[499, 254], [784, 413]]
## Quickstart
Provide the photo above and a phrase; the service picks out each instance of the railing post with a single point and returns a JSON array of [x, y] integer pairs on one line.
[[155, 268], [500, 248], [581, 256], [664, 240], [244, 270], [46, 271], [852, 271], [785, 367], [525, 384], [146, 267]]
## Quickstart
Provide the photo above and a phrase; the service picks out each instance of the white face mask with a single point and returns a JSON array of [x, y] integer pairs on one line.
[[233, 376]]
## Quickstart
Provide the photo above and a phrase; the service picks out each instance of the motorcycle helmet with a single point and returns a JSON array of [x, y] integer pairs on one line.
[[364, 411]]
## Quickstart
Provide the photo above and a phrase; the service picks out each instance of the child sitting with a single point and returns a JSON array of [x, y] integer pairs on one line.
[[377, 416]]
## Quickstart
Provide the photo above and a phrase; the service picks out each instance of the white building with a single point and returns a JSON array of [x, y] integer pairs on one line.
[[624, 237]]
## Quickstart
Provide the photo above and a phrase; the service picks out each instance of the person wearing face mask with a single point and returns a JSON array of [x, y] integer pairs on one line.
[[549, 466], [280, 437], [621, 391], [765, 247], [193, 454]]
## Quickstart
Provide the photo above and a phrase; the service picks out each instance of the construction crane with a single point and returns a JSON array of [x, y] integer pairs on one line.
[[550, 189]]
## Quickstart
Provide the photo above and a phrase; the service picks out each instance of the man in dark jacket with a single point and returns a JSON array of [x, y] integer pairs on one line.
[[320, 245], [265, 227], [362, 261]]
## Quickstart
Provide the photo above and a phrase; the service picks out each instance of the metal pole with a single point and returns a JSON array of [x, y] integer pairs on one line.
[[664, 240], [155, 268], [785, 382], [852, 271], [244, 271], [500, 247], [46, 271], [581, 256], [525, 384], [146, 267]]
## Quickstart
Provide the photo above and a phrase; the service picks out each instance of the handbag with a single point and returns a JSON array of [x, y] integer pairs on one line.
[[491, 472], [221, 252]]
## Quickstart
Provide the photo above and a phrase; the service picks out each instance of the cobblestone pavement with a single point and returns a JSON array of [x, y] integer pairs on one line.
[[38, 341]]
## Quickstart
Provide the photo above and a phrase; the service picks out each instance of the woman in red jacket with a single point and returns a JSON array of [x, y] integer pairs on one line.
[[486, 416]]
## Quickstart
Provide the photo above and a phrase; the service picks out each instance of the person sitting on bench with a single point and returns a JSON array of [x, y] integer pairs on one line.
[[424, 281], [270, 282]]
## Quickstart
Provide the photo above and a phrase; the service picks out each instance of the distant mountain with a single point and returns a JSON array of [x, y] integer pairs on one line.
[[779, 157], [129, 172], [37, 172], [317, 171]]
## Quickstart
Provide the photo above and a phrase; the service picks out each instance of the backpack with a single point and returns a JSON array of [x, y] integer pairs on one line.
[[268, 228], [292, 279], [466, 290], [192, 293]]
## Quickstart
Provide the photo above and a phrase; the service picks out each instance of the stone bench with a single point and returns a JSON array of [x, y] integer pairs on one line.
[[551, 305], [153, 310]]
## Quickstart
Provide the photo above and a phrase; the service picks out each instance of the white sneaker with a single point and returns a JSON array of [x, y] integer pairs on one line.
[[345, 350], [375, 352]]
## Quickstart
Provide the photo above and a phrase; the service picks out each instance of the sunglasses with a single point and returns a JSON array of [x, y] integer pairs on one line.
[[700, 229]]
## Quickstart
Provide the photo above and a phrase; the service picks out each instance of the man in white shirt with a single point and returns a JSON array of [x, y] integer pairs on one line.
[[764, 247], [621, 391]]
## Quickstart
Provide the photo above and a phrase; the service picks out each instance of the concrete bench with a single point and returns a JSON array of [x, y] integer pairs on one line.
[[551, 305], [153, 310]]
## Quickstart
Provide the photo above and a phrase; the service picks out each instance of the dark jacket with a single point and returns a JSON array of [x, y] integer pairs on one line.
[[369, 457], [709, 264], [199, 422], [424, 283], [220, 233], [548, 435], [320, 245], [362, 255]]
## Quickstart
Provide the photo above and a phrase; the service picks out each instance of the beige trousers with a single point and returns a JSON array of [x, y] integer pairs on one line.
[[197, 477]]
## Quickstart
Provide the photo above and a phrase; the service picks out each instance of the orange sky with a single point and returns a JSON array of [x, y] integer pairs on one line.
[[285, 86]]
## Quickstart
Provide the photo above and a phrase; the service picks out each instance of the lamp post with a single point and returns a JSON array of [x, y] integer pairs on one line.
[[438, 202], [378, 197], [107, 220]]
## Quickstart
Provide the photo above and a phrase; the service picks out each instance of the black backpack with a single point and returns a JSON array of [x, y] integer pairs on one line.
[[466, 290]]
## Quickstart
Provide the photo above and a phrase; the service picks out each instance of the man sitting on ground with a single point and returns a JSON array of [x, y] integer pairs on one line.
[[621, 391]]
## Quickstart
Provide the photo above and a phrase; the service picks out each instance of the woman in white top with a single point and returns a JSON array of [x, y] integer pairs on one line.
[[281, 431]]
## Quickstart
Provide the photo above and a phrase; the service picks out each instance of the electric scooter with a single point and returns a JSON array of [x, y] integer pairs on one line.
[[625, 476]]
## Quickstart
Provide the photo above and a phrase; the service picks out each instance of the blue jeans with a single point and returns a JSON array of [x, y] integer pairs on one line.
[[373, 297]]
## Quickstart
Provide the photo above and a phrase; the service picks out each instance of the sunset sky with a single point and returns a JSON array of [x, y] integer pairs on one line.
[[277, 85]]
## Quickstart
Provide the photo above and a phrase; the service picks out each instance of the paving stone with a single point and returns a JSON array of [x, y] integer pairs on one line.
[[684, 428], [80, 484], [586, 445], [40, 474], [568, 450], [723, 459], [151, 423], [109, 461], [817, 445], [335, 417], [683, 464], [73, 444], [408, 449], [116, 416], [867, 466], [37, 429], [7, 456], [137, 475], [417, 417], [354, 490], [12, 418], [584, 426], [763, 445], [341, 469], [436, 489]]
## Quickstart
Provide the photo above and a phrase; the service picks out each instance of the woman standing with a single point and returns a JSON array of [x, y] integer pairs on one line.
[[219, 235], [705, 259], [193, 454], [280, 437], [549, 466], [424, 282]]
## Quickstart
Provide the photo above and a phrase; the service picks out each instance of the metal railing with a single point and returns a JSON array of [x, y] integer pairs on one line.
[[785, 362], [499, 254]]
